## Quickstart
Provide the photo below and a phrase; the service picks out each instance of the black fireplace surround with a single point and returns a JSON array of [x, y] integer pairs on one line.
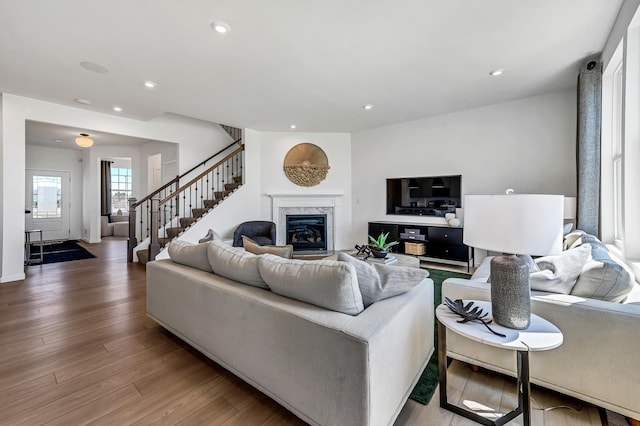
[[307, 232]]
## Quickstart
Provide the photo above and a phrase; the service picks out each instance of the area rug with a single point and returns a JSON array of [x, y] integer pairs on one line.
[[428, 382], [65, 251]]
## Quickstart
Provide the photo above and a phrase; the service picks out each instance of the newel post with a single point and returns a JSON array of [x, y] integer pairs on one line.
[[154, 246], [132, 242]]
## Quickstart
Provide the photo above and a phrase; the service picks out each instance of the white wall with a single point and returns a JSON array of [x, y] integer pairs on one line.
[[337, 147], [2, 185], [60, 159], [168, 151], [528, 145], [264, 174], [197, 139], [625, 15]]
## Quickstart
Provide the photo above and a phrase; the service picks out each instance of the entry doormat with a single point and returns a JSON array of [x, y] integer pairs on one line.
[[56, 252], [428, 382]]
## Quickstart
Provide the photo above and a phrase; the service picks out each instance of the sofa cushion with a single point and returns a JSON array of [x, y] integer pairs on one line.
[[329, 284], [234, 263], [253, 247], [558, 273], [378, 282], [194, 255], [120, 218]]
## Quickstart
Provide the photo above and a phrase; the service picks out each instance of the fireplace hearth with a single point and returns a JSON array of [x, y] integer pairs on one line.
[[307, 232]]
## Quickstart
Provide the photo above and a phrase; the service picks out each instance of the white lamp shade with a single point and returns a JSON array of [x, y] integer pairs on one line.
[[570, 207], [516, 224]]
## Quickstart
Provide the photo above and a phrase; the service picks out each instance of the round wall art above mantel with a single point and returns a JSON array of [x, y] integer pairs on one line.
[[306, 164]]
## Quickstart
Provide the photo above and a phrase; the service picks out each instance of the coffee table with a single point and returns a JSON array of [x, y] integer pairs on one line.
[[403, 260], [541, 335]]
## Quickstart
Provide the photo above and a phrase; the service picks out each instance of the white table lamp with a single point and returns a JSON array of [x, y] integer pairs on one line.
[[517, 224]]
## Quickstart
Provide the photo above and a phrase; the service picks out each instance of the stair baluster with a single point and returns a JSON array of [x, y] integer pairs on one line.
[[164, 212]]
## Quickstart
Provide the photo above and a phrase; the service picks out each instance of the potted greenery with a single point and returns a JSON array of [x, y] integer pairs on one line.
[[380, 246]]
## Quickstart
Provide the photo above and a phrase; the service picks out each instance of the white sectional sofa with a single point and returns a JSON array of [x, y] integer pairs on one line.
[[599, 360], [327, 367]]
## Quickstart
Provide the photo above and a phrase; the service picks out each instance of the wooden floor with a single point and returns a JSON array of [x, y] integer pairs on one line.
[[76, 348]]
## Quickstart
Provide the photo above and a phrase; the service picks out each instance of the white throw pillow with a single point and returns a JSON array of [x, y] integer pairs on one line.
[[558, 274], [235, 263], [378, 281], [326, 283], [194, 255]]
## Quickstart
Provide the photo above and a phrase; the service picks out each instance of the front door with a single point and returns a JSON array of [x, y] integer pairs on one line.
[[48, 201]]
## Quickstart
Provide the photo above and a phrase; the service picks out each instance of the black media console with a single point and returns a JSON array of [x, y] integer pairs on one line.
[[440, 242]]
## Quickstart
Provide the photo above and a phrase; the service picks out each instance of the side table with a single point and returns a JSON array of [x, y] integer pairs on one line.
[[541, 335]]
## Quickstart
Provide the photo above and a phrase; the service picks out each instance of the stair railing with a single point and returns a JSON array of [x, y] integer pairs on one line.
[[158, 214]]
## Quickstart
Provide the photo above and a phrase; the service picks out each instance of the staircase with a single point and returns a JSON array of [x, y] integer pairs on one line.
[[170, 210]]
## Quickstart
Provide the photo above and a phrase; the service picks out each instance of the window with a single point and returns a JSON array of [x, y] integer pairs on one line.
[[616, 153], [47, 197], [120, 189]]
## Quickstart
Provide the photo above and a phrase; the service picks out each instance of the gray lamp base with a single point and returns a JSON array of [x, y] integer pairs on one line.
[[510, 292]]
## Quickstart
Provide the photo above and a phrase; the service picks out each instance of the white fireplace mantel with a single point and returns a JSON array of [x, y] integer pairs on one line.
[[284, 204]]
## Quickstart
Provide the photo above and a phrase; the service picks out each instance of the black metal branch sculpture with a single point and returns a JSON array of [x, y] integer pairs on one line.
[[468, 314], [363, 250]]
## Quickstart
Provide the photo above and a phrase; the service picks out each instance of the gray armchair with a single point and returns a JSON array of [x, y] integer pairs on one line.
[[260, 231]]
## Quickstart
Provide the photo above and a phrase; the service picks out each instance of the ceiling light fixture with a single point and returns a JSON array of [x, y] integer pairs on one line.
[[150, 84], [496, 73], [58, 140], [367, 106], [293, 126], [117, 109], [220, 27], [84, 140], [90, 66], [82, 101]]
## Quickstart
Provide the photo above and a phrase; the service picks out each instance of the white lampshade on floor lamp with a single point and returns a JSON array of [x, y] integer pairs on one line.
[[518, 224]]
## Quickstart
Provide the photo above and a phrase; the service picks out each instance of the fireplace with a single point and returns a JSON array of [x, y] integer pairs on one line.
[[325, 205], [307, 232]]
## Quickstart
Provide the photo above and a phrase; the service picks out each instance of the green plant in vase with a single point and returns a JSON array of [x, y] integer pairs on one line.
[[379, 246]]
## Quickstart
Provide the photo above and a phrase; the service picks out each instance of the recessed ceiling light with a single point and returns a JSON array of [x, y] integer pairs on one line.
[[496, 73], [367, 106], [82, 101], [150, 84], [58, 140], [117, 109], [293, 126], [90, 66], [220, 27]]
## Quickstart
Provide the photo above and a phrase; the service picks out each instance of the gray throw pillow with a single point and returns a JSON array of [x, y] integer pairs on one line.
[[235, 263], [558, 274], [194, 255], [251, 246], [378, 281], [326, 283], [604, 278]]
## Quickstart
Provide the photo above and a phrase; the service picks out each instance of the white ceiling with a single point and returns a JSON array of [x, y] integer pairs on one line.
[[314, 64], [56, 136]]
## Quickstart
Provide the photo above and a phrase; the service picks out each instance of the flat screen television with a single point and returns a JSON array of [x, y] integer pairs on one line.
[[424, 196]]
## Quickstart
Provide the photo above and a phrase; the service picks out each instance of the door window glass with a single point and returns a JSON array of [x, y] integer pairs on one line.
[[47, 197]]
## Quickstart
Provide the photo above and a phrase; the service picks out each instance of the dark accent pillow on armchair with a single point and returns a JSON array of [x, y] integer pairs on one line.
[[260, 231]]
